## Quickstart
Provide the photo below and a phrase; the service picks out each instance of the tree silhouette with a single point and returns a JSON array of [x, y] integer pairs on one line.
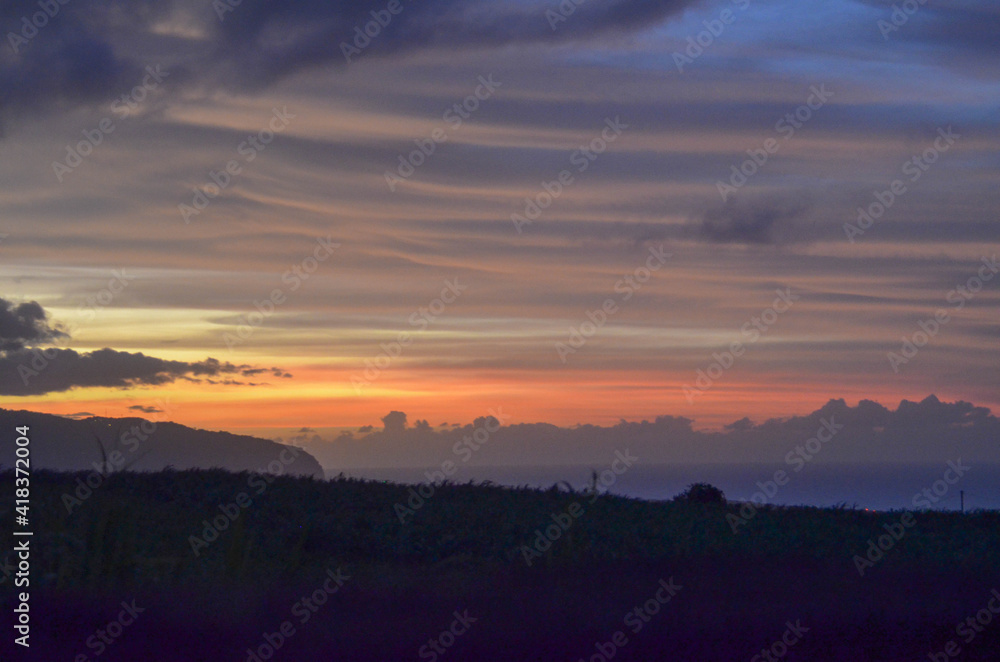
[[701, 493]]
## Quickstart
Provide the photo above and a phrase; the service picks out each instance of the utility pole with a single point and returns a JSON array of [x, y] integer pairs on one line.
[[961, 496]]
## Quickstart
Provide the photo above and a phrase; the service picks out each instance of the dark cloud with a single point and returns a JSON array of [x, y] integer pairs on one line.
[[81, 415], [268, 41], [756, 221], [25, 324], [36, 371], [394, 421], [61, 71], [26, 368], [761, 220], [90, 52], [146, 409], [276, 372]]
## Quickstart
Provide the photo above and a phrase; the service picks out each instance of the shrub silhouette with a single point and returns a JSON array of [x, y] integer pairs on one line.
[[701, 493]]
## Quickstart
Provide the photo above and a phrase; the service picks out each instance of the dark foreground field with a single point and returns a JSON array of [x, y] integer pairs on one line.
[[301, 569]]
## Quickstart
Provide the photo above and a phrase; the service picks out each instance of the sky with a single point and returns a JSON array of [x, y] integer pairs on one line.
[[257, 217]]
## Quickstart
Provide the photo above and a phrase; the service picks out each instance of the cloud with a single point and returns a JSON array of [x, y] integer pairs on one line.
[[740, 426], [394, 422], [25, 324], [926, 431], [276, 372], [27, 369], [960, 33], [262, 44], [63, 67], [90, 53], [758, 221], [146, 409], [36, 372]]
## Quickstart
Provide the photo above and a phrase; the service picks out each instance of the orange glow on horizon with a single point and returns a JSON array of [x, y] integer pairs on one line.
[[324, 398]]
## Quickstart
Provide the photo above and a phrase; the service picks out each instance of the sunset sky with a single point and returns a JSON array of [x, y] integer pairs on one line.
[[626, 123]]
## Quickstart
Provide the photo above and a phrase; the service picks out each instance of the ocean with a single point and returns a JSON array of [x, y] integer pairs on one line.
[[878, 487]]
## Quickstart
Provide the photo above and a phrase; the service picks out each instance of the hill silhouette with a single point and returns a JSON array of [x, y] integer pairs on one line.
[[113, 444]]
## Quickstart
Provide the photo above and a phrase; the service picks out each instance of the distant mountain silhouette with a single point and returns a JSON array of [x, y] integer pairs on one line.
[[143, 445]]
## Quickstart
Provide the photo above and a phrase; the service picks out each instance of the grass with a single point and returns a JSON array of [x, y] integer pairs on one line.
[[463, 548]]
